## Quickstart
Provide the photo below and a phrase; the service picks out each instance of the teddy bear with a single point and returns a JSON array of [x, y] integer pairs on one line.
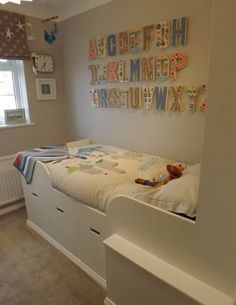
[[174, 172]]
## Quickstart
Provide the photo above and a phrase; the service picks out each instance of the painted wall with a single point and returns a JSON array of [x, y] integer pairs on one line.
[[178, 136], [205, 249], [48, 116]]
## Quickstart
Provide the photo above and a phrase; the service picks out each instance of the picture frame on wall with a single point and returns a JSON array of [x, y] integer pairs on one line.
[[15, 116], [46, 89]]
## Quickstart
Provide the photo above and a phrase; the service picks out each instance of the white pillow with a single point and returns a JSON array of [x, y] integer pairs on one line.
[[180, 195]]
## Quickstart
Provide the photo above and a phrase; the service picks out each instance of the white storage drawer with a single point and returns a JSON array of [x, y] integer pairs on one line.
[[38, 210]]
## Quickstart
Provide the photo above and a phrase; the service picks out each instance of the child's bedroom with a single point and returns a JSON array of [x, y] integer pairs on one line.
[[117, 152]]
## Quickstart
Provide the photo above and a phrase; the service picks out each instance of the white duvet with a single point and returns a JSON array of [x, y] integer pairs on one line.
[[96, 173]]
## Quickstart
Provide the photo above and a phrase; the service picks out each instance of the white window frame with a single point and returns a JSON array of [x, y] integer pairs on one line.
[[19, 84]]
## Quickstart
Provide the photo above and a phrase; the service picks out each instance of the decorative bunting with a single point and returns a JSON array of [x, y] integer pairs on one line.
[[123, 42], [136, 41], [92, 52], [193, 92], [177, 62], [148, 97], [163, 35], [176, 102]]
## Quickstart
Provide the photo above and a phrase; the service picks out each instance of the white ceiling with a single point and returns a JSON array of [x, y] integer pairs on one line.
[[48, 8]]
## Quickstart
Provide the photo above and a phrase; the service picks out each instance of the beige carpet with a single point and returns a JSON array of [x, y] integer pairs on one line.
[[32, 272]]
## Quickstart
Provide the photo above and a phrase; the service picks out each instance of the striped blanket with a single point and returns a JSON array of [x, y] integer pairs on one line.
[[25, 161]]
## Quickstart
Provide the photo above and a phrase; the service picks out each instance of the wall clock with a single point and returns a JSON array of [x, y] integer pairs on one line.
[[43, 63]]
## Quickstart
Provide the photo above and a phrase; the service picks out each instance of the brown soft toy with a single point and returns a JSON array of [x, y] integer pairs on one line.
[[175, 171]]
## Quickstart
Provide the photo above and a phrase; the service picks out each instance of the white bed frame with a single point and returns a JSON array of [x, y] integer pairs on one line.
[[136, 236]]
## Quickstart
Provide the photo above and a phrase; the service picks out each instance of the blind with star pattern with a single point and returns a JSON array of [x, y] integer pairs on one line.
[[13, 38]]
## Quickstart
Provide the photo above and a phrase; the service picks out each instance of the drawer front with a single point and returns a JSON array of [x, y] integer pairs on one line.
[[38, 211], [64, 228], [65, 203]]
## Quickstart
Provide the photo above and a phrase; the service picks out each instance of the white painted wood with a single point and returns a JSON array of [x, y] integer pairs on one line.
[[174, 277], [107, 301], [12, 207], [69, 255]]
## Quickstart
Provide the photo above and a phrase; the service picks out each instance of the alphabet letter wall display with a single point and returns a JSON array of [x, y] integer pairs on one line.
[[148, 97], [179, 31], [176, 102], [135, 70], [92, 50], [94, 74], [112, 72], [122, 71], [177, 62], [104, 98], [114, 100], [103, 76], [161, 97], [147, 68], [162, 68], [101, 47], [123, 42], [147, 37], [111, 45], [192, 94], [203, 103], [163, 35], [135, 97], [136, 40], [124, 97], [94, 97]]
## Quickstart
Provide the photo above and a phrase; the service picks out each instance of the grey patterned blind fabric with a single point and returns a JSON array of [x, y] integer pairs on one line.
[[13, 38]]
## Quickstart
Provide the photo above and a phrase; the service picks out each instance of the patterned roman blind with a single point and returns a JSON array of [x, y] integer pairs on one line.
[[13, 38]]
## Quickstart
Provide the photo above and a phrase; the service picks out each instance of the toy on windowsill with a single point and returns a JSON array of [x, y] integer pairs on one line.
[[175, 172]]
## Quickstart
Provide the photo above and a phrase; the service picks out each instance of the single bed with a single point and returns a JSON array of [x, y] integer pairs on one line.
[[68, 198]]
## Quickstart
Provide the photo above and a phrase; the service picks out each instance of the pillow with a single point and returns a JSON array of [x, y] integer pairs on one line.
[[179, 195]]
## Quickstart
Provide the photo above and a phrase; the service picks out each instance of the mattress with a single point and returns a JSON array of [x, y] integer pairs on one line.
[[94, 174]]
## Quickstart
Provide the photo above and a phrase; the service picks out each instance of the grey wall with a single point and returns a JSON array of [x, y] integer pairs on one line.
[[48, 116], [178, 136]]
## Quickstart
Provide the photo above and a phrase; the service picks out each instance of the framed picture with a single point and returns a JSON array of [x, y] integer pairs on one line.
[[15, 116], [46, 89]]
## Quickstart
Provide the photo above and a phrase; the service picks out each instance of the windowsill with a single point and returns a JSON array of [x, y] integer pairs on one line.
[[16, 125]]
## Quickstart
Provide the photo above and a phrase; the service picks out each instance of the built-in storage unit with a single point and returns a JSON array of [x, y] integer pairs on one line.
[[75, 229]]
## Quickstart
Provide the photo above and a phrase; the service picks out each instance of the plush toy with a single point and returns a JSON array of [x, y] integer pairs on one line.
[[174, 171]]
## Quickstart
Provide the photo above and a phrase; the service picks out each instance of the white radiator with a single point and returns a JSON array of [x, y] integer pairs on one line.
[[10, 182]]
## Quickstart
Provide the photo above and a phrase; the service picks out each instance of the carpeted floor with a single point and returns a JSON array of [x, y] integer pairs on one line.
[[32, 272]]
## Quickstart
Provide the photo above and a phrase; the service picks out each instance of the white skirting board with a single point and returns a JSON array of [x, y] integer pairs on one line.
[[11, 207], [69, 255], [107, 301]]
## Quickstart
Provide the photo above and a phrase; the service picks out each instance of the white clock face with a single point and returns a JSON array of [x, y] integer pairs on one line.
[[44, 63]]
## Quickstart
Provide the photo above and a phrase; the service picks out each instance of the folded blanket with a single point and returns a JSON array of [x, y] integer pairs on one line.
[[25, 161]]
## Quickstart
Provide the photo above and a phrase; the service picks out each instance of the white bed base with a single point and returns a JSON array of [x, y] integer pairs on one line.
[[78, 231]]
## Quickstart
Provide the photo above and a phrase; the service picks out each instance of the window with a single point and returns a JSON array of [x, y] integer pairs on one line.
[[13, 93]]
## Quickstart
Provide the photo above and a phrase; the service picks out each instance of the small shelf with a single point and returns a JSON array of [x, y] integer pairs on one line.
[[186, 284]]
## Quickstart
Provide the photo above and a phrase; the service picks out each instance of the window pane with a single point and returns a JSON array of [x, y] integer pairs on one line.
[[6, 83], [6, 102]]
